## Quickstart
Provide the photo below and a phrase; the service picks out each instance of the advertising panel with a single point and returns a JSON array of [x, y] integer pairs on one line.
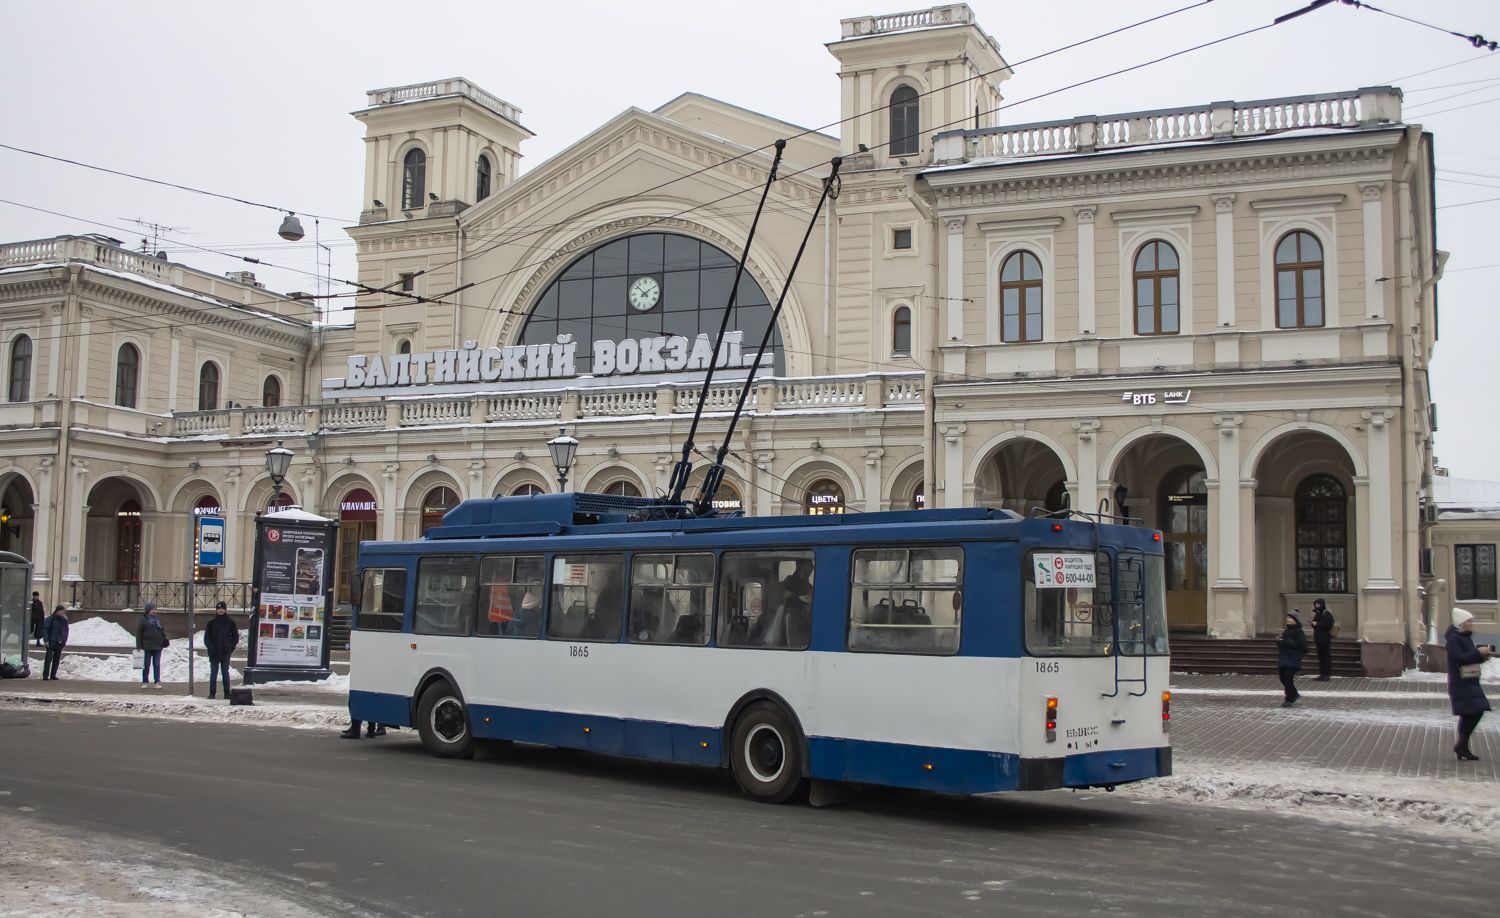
[[292, 614]]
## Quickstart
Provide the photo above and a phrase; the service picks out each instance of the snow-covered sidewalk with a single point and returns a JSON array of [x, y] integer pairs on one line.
[[303, 716]]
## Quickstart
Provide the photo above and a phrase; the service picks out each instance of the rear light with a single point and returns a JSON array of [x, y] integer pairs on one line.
[[1156, 537], [1166, 711], [1051, 720], [1057, 527]]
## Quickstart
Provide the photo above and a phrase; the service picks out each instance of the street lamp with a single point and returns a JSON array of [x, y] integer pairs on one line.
[[563, 448], [278, 461], [291, 228]]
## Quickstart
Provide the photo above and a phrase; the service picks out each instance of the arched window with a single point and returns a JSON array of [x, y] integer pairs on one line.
[[414, 180], [20, 369], [1322, 536], [482, 183], [906, 122], [623, 488], [270, 393], [1156, 285], [127, 373], [526, 490], [208, 387], [824, 496], [404, 347], [1021, 298], [901, 332], [1299, 281], [437, 502]]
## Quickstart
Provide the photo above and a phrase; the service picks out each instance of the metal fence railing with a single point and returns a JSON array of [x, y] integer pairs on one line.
[[120, 595]]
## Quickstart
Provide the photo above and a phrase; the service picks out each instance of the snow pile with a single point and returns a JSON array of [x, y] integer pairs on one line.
[[197, 710], [338, 682], [117, 668], [99, 632], [1489, 672]]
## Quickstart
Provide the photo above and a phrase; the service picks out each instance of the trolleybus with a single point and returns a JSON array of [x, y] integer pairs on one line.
[[963, 651]]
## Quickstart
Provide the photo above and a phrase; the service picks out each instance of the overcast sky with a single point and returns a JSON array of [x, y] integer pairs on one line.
[[252, 100]]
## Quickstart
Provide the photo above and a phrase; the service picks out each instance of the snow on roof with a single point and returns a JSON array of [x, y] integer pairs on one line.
[[295, 515], [1466, 498]]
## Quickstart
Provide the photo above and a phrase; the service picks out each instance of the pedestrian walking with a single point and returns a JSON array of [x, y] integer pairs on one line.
[[151, 638], [55, 636], [1291, 647], [38, 615], [1324, 627], [1465, 692], [220, 638]]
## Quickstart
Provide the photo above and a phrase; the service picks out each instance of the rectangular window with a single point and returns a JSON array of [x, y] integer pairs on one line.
[[384, 600], [901, 239], [588, 595], [767, 599], [408, 283], [510, 596], [447, 589], [671, 598], [1474, 572], [906, 600], [1140, 582], [1069, 610]]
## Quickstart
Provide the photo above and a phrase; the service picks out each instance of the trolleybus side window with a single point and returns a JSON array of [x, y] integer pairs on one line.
[[588, 596], [906, 600], [383, 602], [447, 589], [1143, 610], [1068, 605], [767, 599], [671, 598], [510, 596]]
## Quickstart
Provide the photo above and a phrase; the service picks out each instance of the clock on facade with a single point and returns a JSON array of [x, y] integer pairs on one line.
[[644, 293]]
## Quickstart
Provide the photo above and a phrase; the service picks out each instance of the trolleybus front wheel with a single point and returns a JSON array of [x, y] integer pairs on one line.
[[767, 754], [443, 722]]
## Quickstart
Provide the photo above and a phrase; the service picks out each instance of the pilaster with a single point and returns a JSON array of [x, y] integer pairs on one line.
[[953, 464], [1228, 616], [42, 513], [77, 516], [388, 472], [1086, 489], [872, 479], [954, 303], [1086, 311], [1374, 249], [1380, 620]]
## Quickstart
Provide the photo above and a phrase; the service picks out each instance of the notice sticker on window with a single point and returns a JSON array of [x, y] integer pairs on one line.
[[1062, 570]]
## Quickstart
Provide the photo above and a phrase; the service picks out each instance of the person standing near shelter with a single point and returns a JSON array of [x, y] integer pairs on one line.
[[1323, 625], [1465, 692], [1291, 647], [220, 638], [38, 615], [55, 636], [151, 638]]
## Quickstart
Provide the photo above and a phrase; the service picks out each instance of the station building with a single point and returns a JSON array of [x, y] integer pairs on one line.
[[1215, 320]]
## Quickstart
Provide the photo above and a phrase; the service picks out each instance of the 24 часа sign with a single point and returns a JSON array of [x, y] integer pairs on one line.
[[473, 367]]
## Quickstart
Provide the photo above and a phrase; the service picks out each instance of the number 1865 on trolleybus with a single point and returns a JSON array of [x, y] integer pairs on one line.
[[962, 651]]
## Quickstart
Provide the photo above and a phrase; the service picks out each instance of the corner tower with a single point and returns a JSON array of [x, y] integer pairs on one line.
[[432, 149], [906, 76]]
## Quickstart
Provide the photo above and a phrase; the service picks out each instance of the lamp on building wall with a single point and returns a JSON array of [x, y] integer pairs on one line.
[[278, 461], [563, 448], [5, 524], [291, 228]]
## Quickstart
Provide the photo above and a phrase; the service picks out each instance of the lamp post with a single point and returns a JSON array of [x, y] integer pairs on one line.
[[278, 461], [563, 448]]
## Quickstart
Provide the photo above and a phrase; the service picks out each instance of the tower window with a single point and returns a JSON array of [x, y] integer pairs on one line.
[[901, 332], [482, 184], [20, 369], [414, 180], [905, 122], [404, 347], [127, 374], [1156, 290]]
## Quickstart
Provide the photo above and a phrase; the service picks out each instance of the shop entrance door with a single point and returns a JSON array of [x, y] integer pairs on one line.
[[357, 513], [1186, 548]]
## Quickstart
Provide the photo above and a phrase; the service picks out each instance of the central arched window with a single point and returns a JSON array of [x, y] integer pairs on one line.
[[824, 496], [1156, 290], [1021, 298], [1322, 536], [906, 122], [270, 393], [127, 374], [437, 502], [623, 488], [414, 180], [20, 369], [901, 332], [526, 489], [208, 387], [404, 347], [590, 300], [482, 183], [1299, 281]]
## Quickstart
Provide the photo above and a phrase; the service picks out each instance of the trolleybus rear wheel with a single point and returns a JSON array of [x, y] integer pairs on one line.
[[766, 754], [443, 722]]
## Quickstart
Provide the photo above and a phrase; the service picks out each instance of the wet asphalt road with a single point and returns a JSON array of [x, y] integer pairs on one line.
[[379, 826]]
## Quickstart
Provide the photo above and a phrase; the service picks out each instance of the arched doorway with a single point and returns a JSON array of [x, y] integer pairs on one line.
[[16, 516], [128, 541], [1022, 475], [1183, 520], [824, 496], [357, 514], [114, 537], [437, 502]]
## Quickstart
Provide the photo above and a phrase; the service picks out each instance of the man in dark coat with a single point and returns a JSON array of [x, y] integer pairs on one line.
[[1291, 647], [38, 615], [220, 639], [55, 636], [151, 637], [1323, 622], [1465, 691]]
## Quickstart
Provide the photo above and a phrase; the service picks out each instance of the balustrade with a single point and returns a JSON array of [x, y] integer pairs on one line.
[[441, 411], [618, 402], [528, 407]]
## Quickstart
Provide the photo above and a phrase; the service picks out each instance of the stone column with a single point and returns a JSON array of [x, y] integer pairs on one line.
[[762, 486], [1381, 627], [41, 534], [388, 472], [872, 479], [1086, 309], [1227, 607], [1226, 346], [77, 517], [1086, 489], [235, 539], [1374, 249], [953, 464], [955, 292]]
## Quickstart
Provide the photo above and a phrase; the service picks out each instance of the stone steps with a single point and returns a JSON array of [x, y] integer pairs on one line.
[[1254, 655]]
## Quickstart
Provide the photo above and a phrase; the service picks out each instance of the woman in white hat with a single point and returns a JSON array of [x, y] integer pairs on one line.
[[1464, 689]]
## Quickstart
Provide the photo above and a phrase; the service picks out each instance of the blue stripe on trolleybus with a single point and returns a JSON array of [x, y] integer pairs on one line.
[[954, 771]]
